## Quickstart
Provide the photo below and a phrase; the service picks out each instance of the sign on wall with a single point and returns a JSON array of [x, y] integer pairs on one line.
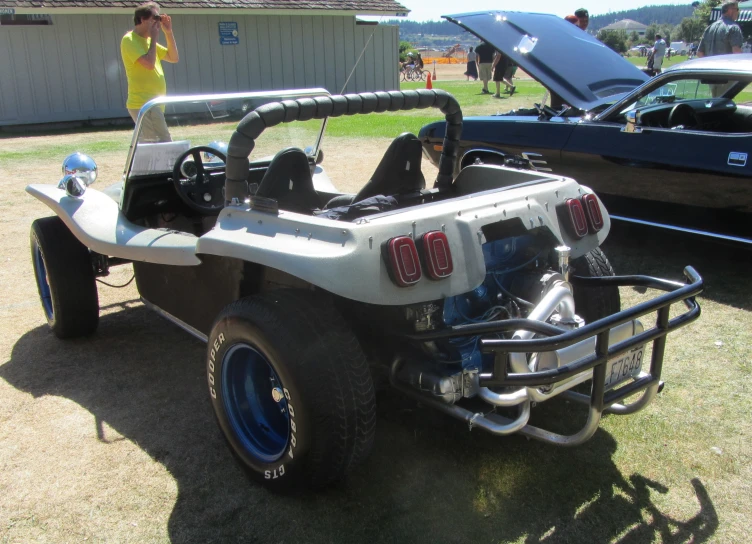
[[228, 34]]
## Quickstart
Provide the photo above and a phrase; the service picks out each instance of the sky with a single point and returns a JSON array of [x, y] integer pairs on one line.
[[432, 10]]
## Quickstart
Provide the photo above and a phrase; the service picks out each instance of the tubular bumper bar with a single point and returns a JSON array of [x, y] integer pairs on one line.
[[558, 338], [677, 292]]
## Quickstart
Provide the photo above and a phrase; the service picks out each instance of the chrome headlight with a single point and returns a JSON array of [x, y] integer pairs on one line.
[[82, 166], [74, 186]]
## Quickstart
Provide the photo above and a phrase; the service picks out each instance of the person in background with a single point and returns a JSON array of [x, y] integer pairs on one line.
[[484, 57], [472, 68], [659, 50], [500, 66], [724, 36], [583, 18], [509, 76], [142, 57], [572, 19], [419, 61]]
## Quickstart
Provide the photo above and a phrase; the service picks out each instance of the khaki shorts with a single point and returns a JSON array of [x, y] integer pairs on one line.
[[153, 126], [657, 63], [485, 71]]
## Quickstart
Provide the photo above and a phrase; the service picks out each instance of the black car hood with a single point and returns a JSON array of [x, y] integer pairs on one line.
[[567, 60]]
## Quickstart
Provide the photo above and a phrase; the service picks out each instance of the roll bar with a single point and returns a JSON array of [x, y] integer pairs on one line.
[[250, 128]]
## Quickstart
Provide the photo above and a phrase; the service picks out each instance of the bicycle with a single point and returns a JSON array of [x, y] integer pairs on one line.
[[410, 72]]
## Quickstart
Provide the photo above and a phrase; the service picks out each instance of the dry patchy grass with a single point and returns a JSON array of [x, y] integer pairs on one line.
[[111, 438]]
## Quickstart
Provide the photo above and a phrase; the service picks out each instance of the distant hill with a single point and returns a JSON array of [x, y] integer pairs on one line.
[[413, 31], [672, 15]]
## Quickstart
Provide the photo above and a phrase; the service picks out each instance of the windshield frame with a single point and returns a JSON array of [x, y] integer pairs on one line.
[[199, 98]]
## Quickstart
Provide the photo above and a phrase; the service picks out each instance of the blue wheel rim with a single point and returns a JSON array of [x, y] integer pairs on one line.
[[45, 294], [249, 387]]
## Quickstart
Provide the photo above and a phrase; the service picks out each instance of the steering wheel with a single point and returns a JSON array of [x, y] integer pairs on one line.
[[199, 188], [682, 115]]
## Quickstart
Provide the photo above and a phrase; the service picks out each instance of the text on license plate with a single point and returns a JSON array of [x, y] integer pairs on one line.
[[623, 367]]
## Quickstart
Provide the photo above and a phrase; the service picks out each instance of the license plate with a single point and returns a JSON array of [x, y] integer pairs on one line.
[[624, 367]]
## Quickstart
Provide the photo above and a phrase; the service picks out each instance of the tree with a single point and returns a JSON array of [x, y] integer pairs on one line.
[[665, 31], [702, 12], [691, 29], [676, 34], [615, 39], [651, 31], [404, 49], [634, 37]]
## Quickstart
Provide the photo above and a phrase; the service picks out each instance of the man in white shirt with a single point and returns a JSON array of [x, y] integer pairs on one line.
[[659, 50]]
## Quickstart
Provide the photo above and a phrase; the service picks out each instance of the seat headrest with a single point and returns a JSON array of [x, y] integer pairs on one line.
[[399, 170]]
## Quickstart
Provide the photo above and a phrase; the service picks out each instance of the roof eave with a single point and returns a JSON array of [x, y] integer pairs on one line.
[[206, 10]]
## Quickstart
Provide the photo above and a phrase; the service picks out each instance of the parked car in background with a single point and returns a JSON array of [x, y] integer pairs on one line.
[[678, 48], [671, 151]]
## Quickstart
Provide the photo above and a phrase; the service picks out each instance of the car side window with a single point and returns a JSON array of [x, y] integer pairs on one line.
[[683, 89], [744, 98]]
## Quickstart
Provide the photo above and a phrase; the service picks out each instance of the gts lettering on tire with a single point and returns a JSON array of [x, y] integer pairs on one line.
[[212, 364], [276, 473]]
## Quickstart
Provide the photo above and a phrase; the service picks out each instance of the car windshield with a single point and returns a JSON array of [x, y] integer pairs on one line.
[[695, 88], [210, 120], [683, 89]]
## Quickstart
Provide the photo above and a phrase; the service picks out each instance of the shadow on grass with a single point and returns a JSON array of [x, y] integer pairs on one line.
[[428, 479], [637, 249]]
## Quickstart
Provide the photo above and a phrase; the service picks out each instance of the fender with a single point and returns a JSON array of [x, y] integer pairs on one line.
[[97, 222]]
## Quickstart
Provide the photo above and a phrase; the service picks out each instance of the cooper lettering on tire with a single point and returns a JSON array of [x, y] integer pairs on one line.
[[291, 388]]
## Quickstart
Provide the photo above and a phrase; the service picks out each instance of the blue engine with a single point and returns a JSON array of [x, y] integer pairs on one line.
[[490, 300]]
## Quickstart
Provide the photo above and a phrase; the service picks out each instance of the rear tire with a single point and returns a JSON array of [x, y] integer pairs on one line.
[[65, 279], [593, 303], [291, 389]]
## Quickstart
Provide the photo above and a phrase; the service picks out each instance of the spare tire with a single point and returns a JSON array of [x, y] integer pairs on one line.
[[593, 303]]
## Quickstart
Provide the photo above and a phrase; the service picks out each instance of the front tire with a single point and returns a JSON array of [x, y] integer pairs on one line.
[[291, 388], [65, 279], [593, 303]]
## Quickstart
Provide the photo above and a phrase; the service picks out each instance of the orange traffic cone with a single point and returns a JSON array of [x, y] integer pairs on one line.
[[429, 85]]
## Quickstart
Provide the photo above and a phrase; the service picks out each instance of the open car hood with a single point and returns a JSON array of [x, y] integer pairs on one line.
[[567, 60]]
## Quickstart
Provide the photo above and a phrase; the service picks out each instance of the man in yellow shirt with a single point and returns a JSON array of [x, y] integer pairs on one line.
[[142, 57]]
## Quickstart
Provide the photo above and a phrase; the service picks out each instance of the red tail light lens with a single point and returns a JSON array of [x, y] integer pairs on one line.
[[577, 217], [593, 212], [438, 255], [404, 261]]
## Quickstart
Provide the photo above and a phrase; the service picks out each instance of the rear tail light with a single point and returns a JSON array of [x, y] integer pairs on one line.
[[404, 263], [577, 217], [437, 254], [593, 212]]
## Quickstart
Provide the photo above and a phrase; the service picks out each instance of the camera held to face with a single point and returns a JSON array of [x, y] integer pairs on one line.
[[156, 17]]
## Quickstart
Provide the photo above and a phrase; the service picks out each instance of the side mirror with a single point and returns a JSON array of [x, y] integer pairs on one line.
[[633, 122]]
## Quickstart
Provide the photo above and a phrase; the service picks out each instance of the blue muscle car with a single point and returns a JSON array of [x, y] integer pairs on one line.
[[671, 151]]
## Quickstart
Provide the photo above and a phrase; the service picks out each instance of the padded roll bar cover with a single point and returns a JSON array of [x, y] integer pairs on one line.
[[243, 139], [339, 105], [324, 105]]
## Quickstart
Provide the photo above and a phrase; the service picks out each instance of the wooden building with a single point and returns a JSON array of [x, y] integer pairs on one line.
[[60, 59]]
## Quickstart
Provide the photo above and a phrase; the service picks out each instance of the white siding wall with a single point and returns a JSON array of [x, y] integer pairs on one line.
[[72, 69]]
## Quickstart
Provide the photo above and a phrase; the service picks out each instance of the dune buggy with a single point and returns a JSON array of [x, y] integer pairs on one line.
[[481, 295]]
